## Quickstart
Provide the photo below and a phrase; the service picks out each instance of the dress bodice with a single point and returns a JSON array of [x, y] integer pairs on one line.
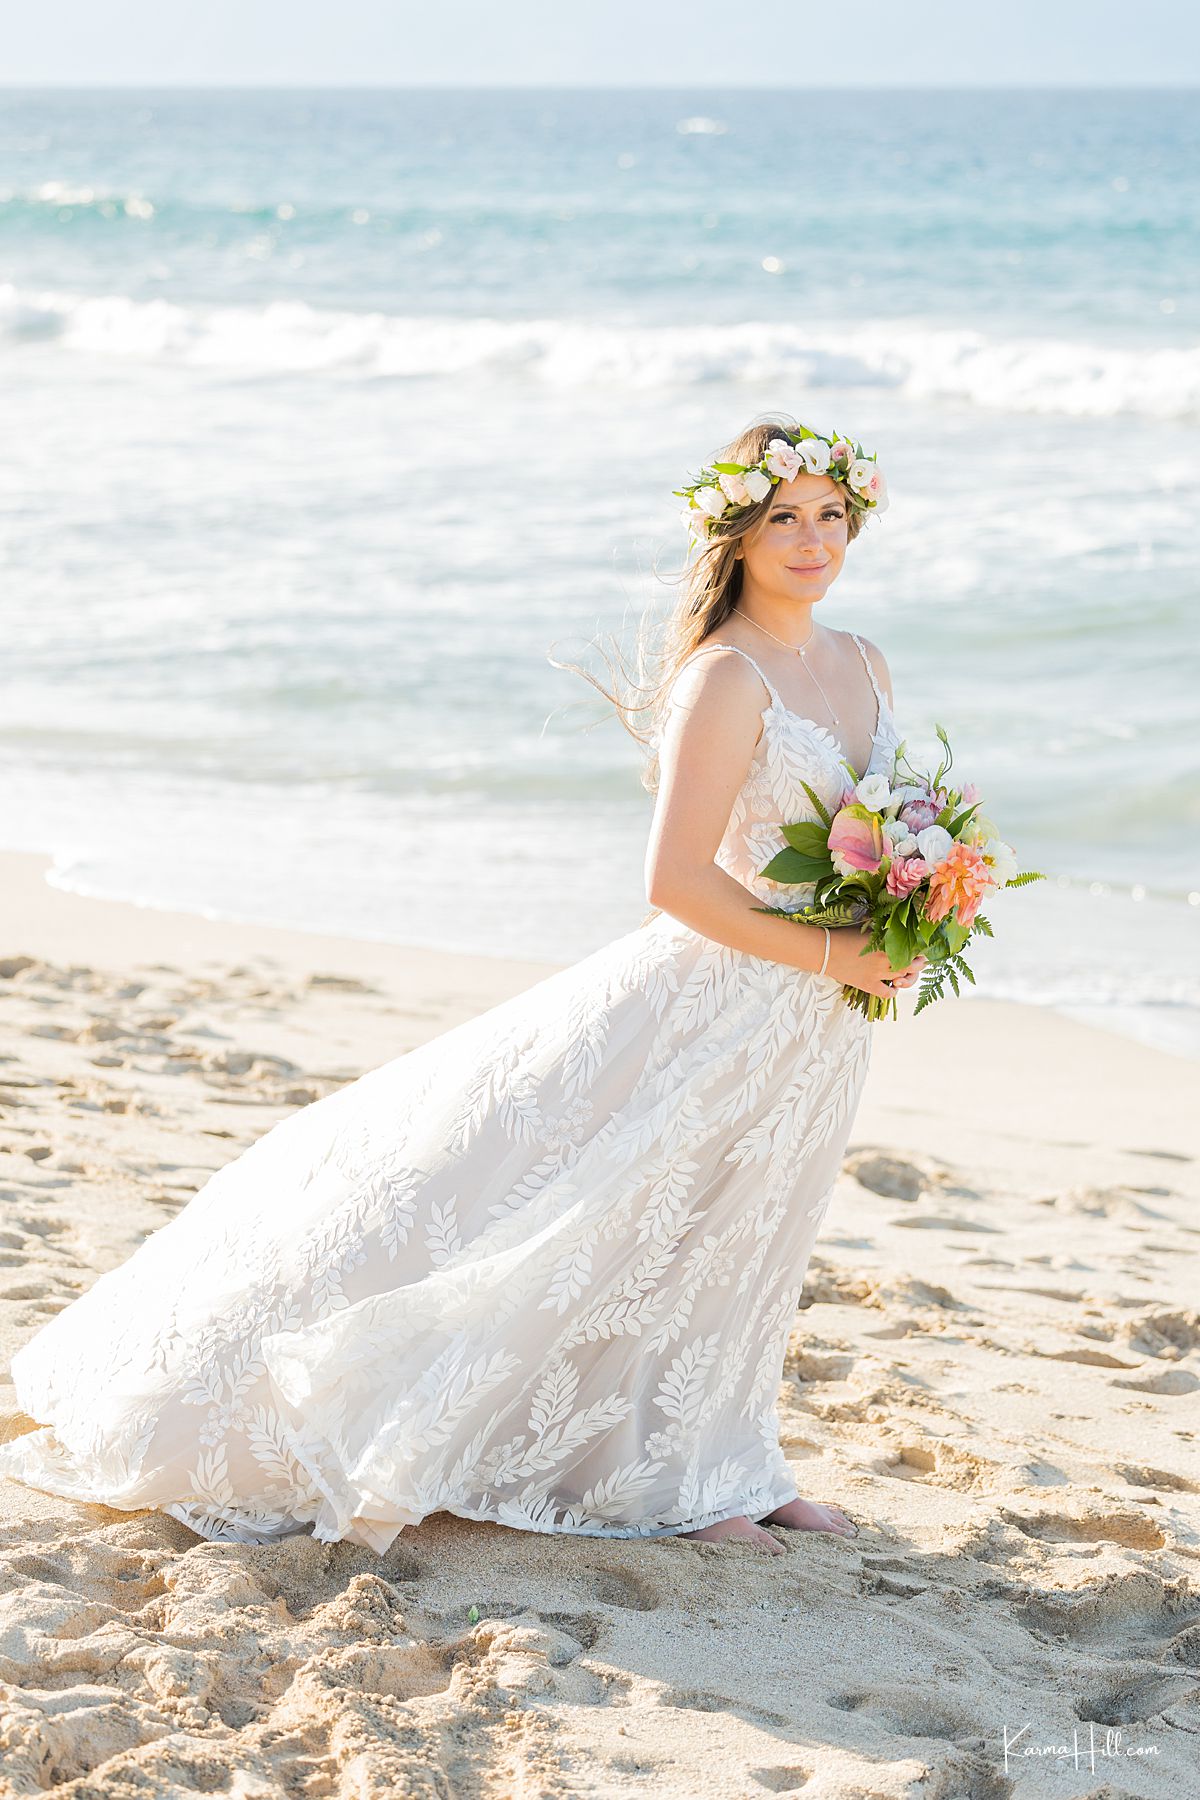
[[791, 750]]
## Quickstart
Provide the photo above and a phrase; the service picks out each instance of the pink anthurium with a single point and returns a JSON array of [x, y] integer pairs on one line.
[[856, 841]]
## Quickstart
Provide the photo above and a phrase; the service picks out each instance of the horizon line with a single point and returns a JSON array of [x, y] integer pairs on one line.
[[1192, 85]]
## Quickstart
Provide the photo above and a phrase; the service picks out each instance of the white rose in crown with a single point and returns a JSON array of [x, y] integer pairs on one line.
[[710, 500], [874, 791], [934, 844], [695, 520], [756, 484], [860, 475], [783, 460], [814, 453], [734, 488]]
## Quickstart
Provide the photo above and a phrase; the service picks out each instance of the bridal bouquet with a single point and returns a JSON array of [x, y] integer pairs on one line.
[[909, 856]]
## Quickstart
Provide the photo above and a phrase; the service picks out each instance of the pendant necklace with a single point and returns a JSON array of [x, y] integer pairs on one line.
[[800, 649]]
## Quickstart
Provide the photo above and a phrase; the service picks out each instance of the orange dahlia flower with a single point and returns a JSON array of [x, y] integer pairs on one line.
[[958, 884]]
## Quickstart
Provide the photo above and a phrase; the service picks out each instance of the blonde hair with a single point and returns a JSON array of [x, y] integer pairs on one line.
[[711, 585]]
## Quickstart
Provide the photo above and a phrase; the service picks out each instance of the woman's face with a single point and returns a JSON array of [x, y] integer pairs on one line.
[[800, 544]]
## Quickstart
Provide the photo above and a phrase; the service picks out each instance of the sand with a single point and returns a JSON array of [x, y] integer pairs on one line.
[[995, 1369]]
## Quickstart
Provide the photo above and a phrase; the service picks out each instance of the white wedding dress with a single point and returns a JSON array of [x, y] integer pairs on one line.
[[540, 1270]]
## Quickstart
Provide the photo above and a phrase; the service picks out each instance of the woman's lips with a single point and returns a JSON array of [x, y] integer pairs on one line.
[[806, 568]]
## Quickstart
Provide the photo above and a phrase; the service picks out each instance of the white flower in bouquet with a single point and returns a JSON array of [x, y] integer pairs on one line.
[[1002, 858], [874, 791], [934, 844]]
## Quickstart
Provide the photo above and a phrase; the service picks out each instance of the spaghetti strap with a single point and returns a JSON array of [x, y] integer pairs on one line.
[[706, 647], [879, 694]]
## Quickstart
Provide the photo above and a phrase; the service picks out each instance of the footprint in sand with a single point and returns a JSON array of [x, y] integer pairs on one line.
[[1133, 1611], [1162, 1481], [783, 1779], [1169, 1382], [1131, 1696], [939, 1222], [893, 1177], [910, 1713], [943, 1465], [1131, 1529]]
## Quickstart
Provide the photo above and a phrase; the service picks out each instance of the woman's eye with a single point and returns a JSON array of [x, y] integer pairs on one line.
[[831, 512]]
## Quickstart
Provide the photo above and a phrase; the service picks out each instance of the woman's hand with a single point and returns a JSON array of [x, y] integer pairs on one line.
[[873, 973]]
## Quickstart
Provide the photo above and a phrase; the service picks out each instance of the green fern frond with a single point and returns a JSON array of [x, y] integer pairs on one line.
[[823, 812]]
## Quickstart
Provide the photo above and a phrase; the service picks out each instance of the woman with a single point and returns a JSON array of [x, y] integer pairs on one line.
[[542, 1269]]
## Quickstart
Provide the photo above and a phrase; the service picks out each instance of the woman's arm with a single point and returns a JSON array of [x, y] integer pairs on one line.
[[709, 733]]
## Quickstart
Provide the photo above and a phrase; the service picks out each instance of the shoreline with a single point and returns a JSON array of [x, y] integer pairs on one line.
[[1142, 1009], [995, 1368]]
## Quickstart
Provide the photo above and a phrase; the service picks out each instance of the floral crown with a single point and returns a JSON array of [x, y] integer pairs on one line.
[[723, 490]]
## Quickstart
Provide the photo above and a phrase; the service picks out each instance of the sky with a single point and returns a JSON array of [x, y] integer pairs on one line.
[[620, 43]]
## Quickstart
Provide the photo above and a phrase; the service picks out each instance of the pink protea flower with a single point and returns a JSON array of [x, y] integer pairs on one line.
[[917, 814], [958, 884], [856, 840], [906, 874]]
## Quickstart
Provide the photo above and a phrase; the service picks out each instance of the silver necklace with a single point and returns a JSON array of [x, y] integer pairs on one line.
[[800, 649]]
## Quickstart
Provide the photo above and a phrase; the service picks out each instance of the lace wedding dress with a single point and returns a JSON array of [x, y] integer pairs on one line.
[[540, 1270]]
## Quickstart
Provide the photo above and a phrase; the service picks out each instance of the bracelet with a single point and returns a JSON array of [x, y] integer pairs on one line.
[[825, 958]]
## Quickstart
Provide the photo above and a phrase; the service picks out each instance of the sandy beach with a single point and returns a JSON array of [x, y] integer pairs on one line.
[[995, 1369]]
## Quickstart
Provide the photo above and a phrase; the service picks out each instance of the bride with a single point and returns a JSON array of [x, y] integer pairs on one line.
[[542, 1269]]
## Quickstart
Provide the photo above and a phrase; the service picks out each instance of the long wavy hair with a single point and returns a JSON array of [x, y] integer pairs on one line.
[[710, 586]]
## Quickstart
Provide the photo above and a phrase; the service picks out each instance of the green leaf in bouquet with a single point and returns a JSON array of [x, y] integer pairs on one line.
[[956, 934], [897, 941], [793, 866], [833, 912], [962, 818], [822, 810], [1027, 876], [809, 837], [927, 929]]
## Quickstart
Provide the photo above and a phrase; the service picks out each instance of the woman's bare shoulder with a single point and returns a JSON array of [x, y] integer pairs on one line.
[[717, 667]]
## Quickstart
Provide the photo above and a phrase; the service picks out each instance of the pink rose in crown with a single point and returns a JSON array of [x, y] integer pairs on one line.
[[905, 876], [841, 451], [784, 459], [917, 814], [856, 840]]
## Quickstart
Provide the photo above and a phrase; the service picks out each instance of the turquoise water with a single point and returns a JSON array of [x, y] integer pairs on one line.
[[331, 416]]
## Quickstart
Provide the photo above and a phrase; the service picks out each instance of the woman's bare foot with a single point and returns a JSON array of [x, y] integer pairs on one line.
[[807, 1515], [738, 1528]]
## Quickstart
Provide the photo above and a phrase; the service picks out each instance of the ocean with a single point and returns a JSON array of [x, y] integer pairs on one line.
[[333, 416]]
